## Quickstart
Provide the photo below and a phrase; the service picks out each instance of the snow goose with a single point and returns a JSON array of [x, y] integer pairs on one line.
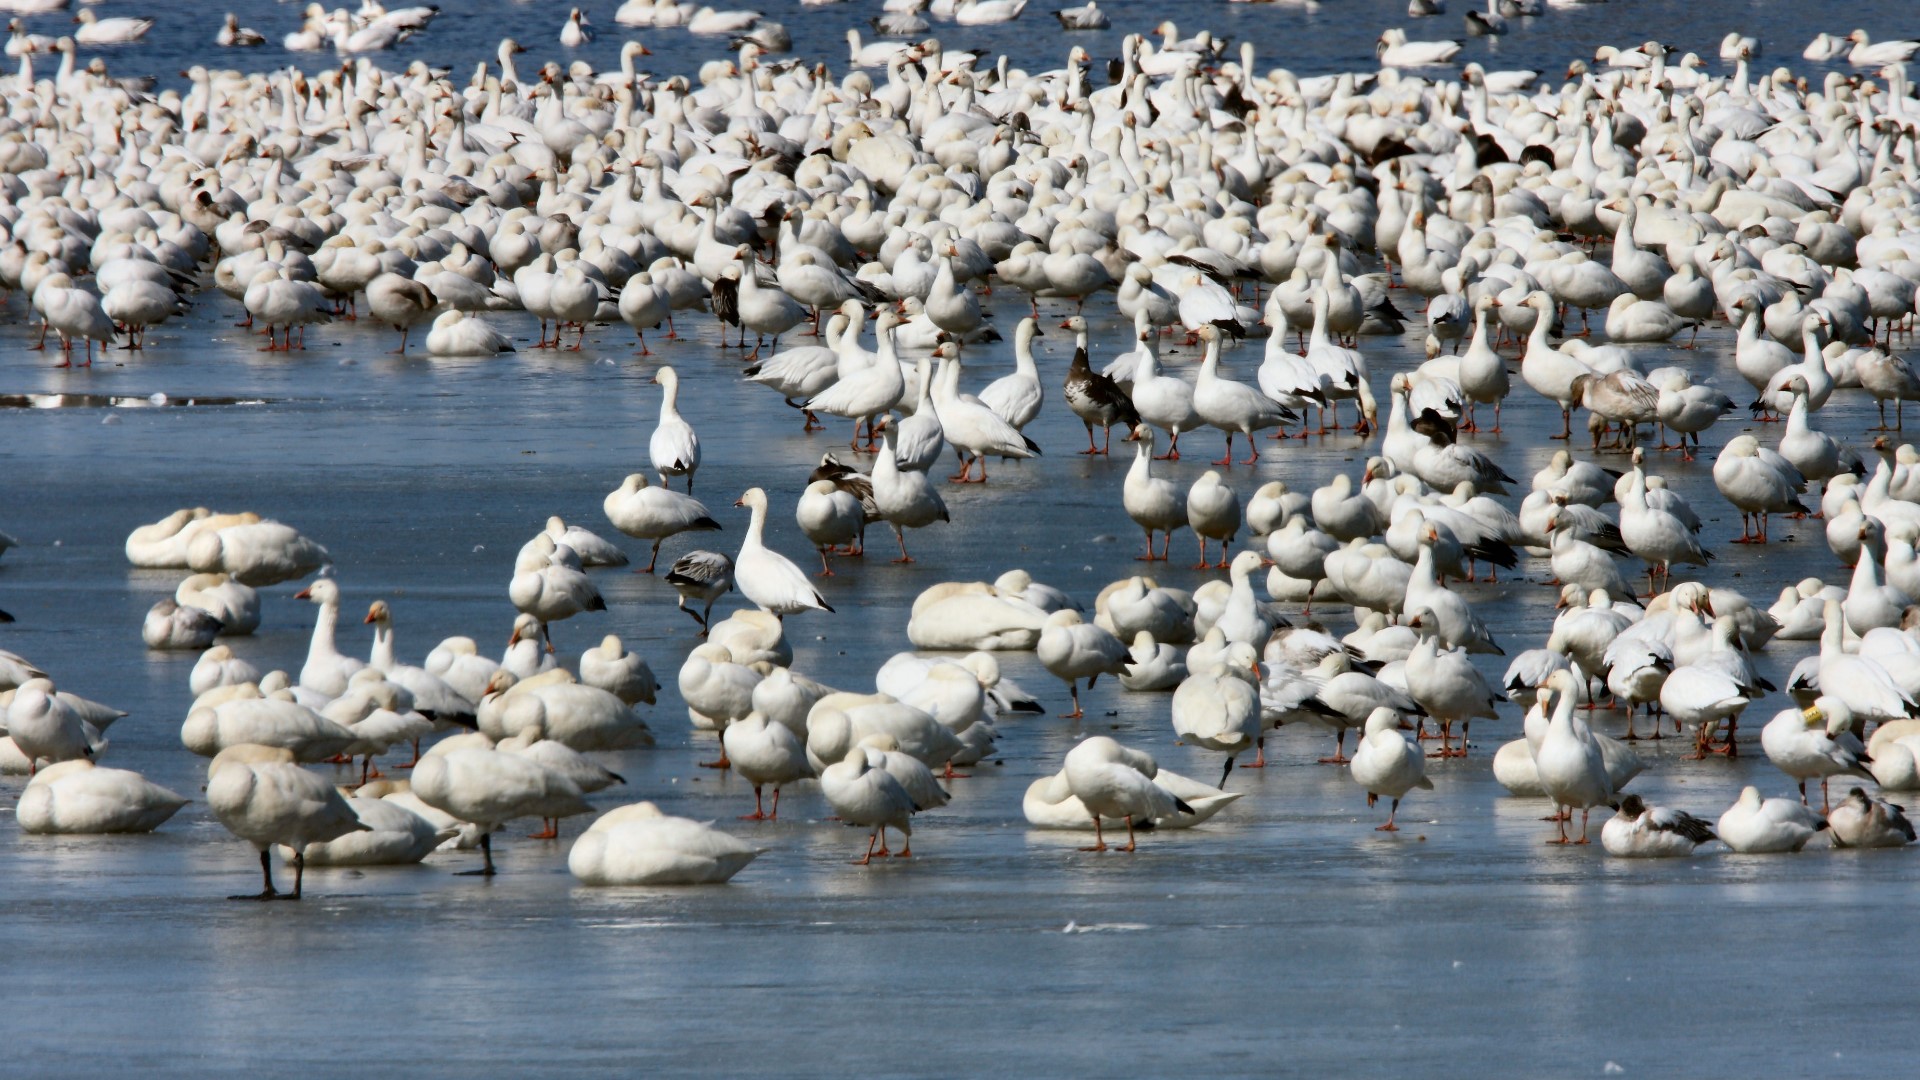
[[588, 545], [1395, 50], [1639, 831], [549, 585], [1386, 764], [1863, 822], [905, 498], [765, 752], [1549, 371], [1016, 398], [432, 696], [1446, 613], [1569, 761], [1814, 743], [1706, 697], [973, 429], [766, 577], [233, 35], [763, 309], [218, 666], [638, 845], [654, 513], [488, 788], [1072, 649], [864, 794], [1868, 53], [1218, 706], [1213, 512], [1113, 781], [79, 797], [1482, 370], [1812, 371], [1631, 320], [1449, 687], [1871, 602], [400, 302], [1889, 378], [97, 31], [171, 625], [1753, 826], [987, 12], [577, 31], [457, 333], [829, 517], [1152, 502], [394, 835], [1346, 697], [1655, 536], [326, 670], [255, 553], [1232, 406], [1152, 665], [1758, 482], [609, 666], [258, 794], [673, 449], [46, 725], [1688, 409], [863, 394], [1094, 397], [1860, 683], [1161, 400], [73, 313]]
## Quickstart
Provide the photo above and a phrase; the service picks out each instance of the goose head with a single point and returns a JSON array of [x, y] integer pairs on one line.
[[379, 614], [324, 591]]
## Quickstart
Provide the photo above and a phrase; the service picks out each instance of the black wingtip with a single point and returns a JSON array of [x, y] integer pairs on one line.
[[1181, 805]]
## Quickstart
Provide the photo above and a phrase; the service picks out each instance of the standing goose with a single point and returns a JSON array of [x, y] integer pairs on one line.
[[1219, 708], [673, 448], [1072, 649], [1569, 759], [765, 576], [1213, 512], [973, 429], [1152, 502], [863, 394], [400, 302], [488, 788], [654, 513], [864, 794], [906, 499], [1547, 370], [326, 670], [1094, 397], [1385, 763], [1016, 398], [1161, 400], [1758, 482], [1113, 781], [549, 585], [261, 796], [1232, 406]]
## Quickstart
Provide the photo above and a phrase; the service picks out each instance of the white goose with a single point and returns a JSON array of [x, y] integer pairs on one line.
[[1113, 781], [1152, 502], [261, 796], [1232, 406], [673, 448], [654, 513], [765, 576], [1386, 764], [327, 670]]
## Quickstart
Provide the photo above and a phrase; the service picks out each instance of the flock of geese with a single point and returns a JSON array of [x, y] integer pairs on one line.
[[1275, 224]]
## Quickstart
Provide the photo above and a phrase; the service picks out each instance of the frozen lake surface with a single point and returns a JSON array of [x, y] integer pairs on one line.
[[1285, 935]]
